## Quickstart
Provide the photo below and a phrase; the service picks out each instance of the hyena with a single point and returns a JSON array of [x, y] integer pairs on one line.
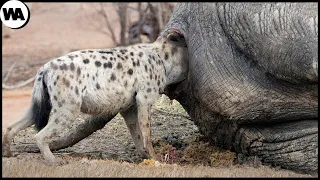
[[102, 83]]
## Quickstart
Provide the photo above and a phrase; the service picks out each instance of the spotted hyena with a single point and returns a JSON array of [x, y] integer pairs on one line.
[[102, 83]]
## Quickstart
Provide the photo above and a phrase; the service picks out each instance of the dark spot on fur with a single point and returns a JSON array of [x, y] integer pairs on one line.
[[55, 82], [90, 51], [62, 67], [123, 51], [78, 71], [130, 72], [111, 58], [166, 56], [41, 73], [71, 57], [72, 66], [76, 90], [54, 110], [145, 96], [39, 79], [87, 74], [50, 89], [158, 83], [138, 63], [149, 90], [98, 63], [66, 82], [56, 121], [131, 54], [139, 136], [146, 68], [148, 83], [80, 81], [65, 67], [59, 60], [98, 86], [63, 101], [133, 63], [119, 66], [106, 52], [149, 61], [113, 77], [86, 61], [55, 98], [103, 57], [59, 104], [150, 75], [126, 57], [109, 65], [93, 78], [140, 54]]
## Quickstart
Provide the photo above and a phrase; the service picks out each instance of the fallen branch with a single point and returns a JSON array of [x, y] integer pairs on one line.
[[4, 86], [9, 72], [171, 113]]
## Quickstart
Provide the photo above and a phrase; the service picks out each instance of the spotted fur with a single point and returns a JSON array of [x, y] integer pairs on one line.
[[103, 82]]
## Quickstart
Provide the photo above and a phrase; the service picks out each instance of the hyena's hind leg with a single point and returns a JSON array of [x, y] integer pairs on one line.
[[61, 119], [26, 121]]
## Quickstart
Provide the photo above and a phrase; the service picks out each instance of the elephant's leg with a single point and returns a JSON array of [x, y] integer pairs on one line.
[[292, 145], [76, 134]]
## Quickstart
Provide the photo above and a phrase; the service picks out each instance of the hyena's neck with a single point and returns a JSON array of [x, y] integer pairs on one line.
[[168, 55]]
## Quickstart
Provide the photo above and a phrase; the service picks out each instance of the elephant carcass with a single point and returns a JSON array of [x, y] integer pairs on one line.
[[253, 78]]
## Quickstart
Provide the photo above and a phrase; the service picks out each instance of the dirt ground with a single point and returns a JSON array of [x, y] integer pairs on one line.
[[57, 28]]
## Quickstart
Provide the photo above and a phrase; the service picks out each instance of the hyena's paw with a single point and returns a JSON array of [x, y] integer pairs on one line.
[[6, 152], [56, 162]]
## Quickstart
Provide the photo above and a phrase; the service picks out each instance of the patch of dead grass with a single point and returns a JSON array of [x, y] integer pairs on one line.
[[35, 167]]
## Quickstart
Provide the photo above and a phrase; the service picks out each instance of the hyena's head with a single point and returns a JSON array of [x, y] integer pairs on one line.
[[175, 55]]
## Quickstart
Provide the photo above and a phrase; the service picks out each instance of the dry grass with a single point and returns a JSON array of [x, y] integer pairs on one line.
[[34, 167]]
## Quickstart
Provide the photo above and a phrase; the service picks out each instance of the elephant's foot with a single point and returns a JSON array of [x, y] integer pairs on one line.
[[291, 145]]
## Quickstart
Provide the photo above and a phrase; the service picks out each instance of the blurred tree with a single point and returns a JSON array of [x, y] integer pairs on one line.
[[151, 19]]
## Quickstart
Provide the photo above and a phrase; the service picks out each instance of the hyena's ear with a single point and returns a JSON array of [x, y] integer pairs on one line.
[[176, 39]]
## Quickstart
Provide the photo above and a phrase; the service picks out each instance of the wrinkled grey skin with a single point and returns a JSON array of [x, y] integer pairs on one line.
[[252, 85], [253, 78]]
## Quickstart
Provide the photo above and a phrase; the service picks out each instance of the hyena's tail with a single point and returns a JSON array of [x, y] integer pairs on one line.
[[41, 105]]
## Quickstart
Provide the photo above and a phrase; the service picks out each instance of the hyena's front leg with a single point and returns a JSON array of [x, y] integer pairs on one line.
[[140, 134]]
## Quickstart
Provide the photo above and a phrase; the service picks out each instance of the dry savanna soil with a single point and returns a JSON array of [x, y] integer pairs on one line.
[[58, 28]]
